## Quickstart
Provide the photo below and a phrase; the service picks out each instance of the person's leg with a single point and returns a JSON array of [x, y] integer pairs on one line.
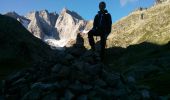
[[91, 39], [103, 44]]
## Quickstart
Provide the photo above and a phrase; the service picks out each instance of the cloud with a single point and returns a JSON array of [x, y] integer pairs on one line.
[[124, 2]]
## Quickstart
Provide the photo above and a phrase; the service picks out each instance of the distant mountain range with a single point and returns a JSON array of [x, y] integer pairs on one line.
[[55, 29]]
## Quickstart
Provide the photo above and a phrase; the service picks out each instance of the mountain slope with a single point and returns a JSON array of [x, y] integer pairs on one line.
[[56, 30], [150, 25], [21, 19], [19, 48]]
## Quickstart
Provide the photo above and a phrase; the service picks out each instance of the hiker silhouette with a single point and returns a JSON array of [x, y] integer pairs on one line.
[[101, 27]]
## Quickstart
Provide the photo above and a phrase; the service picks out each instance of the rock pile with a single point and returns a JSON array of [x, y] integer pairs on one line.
[[74, 77]]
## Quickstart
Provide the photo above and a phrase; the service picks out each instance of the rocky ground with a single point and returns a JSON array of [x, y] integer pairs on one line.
[[78, 75]]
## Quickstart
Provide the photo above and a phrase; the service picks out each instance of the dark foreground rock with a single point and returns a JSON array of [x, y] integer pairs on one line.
[[74, 78]]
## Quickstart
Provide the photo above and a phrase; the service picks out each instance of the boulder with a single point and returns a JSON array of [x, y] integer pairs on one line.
[[50, 96]]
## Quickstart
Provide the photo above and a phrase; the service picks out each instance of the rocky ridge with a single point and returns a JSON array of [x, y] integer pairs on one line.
[[56, 30]]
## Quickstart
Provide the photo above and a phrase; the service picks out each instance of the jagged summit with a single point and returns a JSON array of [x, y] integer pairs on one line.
[[42, 24], [72, 13], [21, 19], [14, 15], [69, 24], [51, 27]]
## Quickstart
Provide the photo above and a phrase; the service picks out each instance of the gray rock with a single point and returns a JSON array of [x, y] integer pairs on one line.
[[77, 50], [135, 96], [131, 80], [24, 89], [79, 65], [79, 75], [120, 92], [140, 72], [42, 86], [145, 94], [105, 93], [56, 68], [51, 96], [88, 54], [69, 57], [19, 81], [68, 95], [14, 76], [77, 87], [92, 93], [87, 87], [32, 95], [82, 97], [64, 83], [93, 69], [100, 83], [64, 72], [111, 78]]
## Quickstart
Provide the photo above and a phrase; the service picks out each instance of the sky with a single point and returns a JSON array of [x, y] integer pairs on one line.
[[85, 8]]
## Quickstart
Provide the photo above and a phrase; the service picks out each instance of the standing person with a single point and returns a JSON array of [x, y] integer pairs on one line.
[[101, 27]]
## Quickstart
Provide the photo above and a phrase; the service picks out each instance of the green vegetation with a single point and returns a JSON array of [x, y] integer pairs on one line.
[[154, 28]]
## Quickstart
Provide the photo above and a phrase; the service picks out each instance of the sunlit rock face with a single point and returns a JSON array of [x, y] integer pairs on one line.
[[69, 24], [42, 24], [56, 30]]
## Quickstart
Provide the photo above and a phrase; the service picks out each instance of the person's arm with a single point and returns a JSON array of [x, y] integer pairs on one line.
[[95, 22], [109, 23]]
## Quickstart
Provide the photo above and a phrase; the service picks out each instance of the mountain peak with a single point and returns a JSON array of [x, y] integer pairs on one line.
[[64, 10], [43, 11], [72, 13], [12, 14]]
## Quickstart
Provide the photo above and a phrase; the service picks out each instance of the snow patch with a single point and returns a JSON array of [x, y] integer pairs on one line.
[[56, 44]]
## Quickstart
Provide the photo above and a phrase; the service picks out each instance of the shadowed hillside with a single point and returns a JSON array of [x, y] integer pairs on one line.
[[19, 48], [146, 63], [139, 72]]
